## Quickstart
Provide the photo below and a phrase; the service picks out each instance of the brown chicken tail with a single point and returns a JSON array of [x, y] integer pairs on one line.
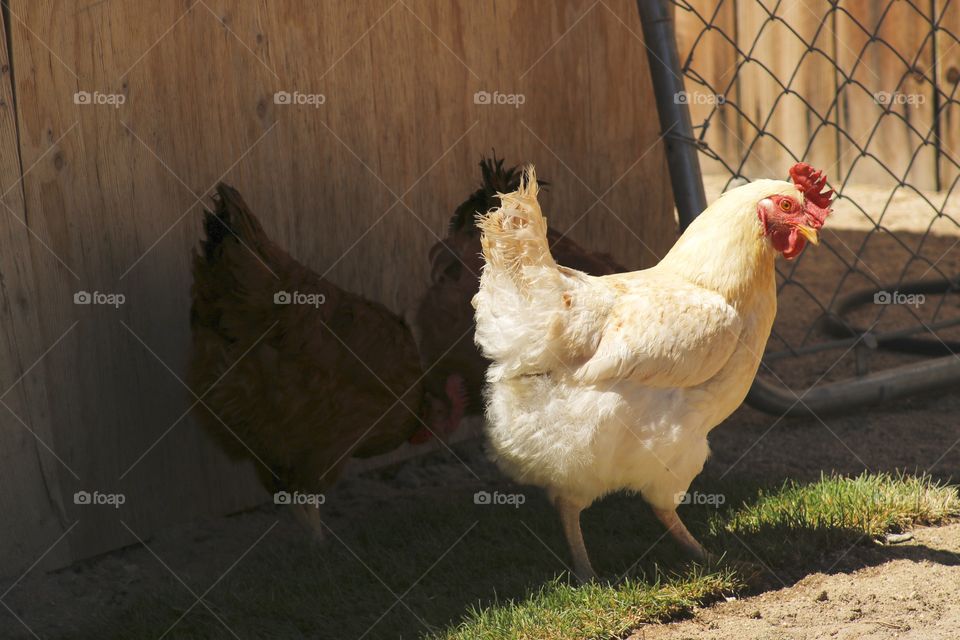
[[231, 218], [495, 178]]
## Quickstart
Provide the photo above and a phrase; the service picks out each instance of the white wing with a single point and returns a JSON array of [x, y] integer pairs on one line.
[[663, 332]]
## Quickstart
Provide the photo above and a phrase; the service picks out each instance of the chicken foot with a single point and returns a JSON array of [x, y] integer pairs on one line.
[[309, 516], [678, 530], [570, 518]]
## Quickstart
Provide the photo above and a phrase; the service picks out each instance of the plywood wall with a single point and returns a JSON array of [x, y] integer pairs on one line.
[[359, 187], [948, 67]]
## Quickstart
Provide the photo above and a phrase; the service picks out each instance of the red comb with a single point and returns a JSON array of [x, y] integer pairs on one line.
[[811, 182]]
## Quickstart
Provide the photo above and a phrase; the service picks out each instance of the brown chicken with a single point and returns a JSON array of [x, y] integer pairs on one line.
[[445, 316], [294, 372]]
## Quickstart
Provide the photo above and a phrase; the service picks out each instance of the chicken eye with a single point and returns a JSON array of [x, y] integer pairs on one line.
[[786, 205]]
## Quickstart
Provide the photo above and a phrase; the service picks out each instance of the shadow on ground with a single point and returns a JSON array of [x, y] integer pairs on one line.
[[418, 560]]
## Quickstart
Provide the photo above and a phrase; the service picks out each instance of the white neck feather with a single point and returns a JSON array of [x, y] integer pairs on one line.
[[724, 249]]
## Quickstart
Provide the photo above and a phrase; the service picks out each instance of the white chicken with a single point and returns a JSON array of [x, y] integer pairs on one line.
[[600, 384]]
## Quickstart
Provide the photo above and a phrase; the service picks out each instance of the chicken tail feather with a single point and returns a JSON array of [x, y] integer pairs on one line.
[[521, 288], [237, 267], [231, 218], [515, 235]]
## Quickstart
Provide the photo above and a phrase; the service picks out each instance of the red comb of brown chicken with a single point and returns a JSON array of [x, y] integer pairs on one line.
[[445, 316]]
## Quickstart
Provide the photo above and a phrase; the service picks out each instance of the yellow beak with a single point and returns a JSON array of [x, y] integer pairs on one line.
[[809, 233]]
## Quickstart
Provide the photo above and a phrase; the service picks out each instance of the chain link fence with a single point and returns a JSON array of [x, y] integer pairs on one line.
[[866, 91]]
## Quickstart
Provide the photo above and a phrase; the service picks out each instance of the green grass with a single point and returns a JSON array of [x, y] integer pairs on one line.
[[870, 504], [504, 578], [558, 610], [786, 524]]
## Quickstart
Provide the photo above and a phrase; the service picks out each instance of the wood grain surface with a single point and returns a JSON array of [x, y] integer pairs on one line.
[[127, 113]]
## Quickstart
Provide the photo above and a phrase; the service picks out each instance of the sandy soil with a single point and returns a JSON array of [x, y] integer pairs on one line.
[[884, 583], [66, 603], [913, 595], [905, 591]]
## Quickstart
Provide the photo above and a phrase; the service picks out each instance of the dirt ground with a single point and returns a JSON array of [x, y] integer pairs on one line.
[[912, 594], [906, 591], [915, 587]]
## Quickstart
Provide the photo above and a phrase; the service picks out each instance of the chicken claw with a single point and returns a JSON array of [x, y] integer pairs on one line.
[[678, 530], [309, 516]]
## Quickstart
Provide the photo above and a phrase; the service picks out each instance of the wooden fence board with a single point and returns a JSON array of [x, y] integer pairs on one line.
[[816, 81], [880, 71], [600, 161], [113, 190], [948, 68], [778, 55], [30, 493], [820, 77], [712, 56]]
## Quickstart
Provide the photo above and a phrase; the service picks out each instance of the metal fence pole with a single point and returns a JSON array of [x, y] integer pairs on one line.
[[661, 42]]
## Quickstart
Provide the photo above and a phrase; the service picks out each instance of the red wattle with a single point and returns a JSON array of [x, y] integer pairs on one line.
[[788, 242]]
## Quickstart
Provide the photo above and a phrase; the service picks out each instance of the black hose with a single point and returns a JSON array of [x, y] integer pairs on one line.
[[835, 325]]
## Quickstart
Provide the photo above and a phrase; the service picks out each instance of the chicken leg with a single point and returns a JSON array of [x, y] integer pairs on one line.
[[676, 528], [309, 516], [570, 518]]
